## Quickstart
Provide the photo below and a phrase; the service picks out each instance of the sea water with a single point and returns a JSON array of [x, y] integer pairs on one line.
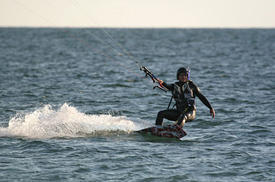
[[71, 100]]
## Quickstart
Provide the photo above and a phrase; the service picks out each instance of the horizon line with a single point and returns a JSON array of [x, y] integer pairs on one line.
[[138, 27]]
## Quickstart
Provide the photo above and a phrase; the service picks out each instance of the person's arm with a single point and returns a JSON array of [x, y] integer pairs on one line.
[[203, 99], [170, 87]]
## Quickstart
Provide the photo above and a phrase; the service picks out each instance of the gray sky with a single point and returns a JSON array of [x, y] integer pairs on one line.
[[138, 13]]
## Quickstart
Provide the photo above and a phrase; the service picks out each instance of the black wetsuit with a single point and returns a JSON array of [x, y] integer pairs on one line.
[[184, 94]]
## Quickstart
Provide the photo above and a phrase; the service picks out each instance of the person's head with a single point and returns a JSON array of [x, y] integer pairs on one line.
[[182, 74]]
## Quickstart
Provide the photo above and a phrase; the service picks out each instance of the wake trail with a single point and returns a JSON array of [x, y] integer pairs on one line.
[[66, 121]]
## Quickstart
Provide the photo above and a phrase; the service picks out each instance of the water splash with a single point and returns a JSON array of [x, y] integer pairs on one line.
[[66, 121]]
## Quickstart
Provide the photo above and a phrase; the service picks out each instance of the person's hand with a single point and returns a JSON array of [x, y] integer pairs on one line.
[[212, 112], [160, 82]]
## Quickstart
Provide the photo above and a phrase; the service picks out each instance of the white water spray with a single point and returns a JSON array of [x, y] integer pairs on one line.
[[66, 121]]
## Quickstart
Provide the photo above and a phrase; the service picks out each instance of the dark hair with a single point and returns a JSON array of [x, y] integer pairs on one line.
[[181, 70]]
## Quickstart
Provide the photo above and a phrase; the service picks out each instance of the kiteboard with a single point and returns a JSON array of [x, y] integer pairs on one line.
[[169, 131]]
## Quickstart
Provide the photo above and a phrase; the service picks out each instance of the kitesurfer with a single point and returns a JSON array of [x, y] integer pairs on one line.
[[184, 92]]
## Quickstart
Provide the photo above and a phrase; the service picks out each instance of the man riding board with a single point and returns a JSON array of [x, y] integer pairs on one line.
[[184, 92]]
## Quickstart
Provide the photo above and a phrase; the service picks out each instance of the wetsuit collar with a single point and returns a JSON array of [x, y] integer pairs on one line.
[[181, 83]]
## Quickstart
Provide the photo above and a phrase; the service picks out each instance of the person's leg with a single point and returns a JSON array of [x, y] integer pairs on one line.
[[170, 114], [185, 117]]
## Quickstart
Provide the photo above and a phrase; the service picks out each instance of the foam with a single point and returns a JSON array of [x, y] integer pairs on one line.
[[65, 121]]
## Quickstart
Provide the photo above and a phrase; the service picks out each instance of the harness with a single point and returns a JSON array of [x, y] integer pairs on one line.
[[183, 96]]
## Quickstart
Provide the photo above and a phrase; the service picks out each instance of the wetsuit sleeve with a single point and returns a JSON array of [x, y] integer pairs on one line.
[[198, 93], [170, 87]]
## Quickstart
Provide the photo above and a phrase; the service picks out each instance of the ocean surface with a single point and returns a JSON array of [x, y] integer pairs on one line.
[[72, 99]]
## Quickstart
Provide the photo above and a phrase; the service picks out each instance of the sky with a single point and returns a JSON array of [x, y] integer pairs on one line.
[[138, 13]]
